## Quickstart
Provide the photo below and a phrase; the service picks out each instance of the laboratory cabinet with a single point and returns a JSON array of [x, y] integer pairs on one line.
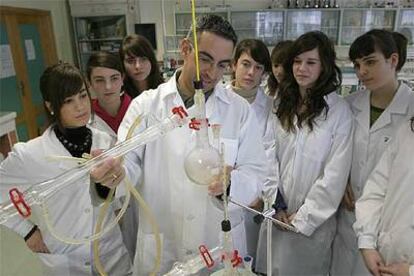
[[100, 25], [355, 22], [342, 25], [265, 25], [302, 21]]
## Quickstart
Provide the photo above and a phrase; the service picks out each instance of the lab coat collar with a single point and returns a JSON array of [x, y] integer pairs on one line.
[[261, 98], [361, 106], [398, 106]]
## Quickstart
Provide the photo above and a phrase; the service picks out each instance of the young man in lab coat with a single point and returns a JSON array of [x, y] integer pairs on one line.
[[186, 213]]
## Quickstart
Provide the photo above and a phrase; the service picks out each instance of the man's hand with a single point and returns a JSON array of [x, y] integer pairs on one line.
[[110, 173], [348, 200], [396, 269], [36, 244], [373, 261], [216, 186]]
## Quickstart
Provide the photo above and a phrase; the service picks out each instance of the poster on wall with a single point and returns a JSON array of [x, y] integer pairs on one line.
[[30, 50], [6, 64]]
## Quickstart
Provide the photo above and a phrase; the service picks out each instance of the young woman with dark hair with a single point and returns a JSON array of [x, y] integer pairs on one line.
[[313, 148], [140, 64], [378, 110], [105, 75], [72, 210], [278, 57], [384, 212], [250, 64]]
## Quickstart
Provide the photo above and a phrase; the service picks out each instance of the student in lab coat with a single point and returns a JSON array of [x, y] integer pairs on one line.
[[313, 148], [384, 212], [105, 75], [378, 111], [71, 209], [186, 212], [251, 63], [278, 58], [140, 64]]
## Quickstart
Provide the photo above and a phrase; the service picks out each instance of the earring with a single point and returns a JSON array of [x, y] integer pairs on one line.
[[52, 113]]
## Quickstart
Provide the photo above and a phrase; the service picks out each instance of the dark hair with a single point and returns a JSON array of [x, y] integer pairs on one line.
[[383, 41], [139, 46], [103, 59], [58, 82], [412, 123], [256, 49], [217, 25], [278, 57], [329, 80]]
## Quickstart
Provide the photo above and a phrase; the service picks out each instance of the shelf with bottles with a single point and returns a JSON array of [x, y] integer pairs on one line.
[[99, 45], [100, 27], [100, 39]]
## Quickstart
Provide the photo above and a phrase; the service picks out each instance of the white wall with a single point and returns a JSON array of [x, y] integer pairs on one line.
[[60, 21]]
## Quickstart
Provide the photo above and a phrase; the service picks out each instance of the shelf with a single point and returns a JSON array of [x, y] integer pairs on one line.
[[101, 39], [93, 52], [343, 25]]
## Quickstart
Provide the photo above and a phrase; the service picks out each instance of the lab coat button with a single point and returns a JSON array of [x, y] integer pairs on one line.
[[189, 252], [190, 217], [87, 210]]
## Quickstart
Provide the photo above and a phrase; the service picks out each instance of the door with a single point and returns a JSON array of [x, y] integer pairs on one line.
[[28, 44]]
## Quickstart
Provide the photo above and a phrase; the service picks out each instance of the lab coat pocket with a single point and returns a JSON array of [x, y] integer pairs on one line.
[[230, 150], [317, 144], [54, 264]]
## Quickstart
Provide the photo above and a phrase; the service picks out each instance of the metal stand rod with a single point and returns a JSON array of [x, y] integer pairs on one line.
[[269, 247], [265, 215]]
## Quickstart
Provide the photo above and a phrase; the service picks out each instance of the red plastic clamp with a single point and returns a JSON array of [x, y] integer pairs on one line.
[[180, 111], [195, 124], [205, 254], [236, 259], [16, 197]]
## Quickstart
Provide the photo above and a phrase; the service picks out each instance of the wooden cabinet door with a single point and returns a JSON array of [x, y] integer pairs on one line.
[[29, 35]]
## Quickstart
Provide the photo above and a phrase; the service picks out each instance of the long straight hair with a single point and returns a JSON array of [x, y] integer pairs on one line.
[[139, 46], [278, 57]]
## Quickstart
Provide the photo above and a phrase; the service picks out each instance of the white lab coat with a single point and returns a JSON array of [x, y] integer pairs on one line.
[[98, 123], [262, 106], [313, 169], [129, 222], [186, 214], [369, 145], [384, 212], [71, 209]]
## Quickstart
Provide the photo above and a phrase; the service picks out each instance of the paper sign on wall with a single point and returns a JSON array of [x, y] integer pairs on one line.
[[6, 64], [30, 50]]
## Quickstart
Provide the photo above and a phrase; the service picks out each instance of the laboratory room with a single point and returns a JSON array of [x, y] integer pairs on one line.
[[206, 137]]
